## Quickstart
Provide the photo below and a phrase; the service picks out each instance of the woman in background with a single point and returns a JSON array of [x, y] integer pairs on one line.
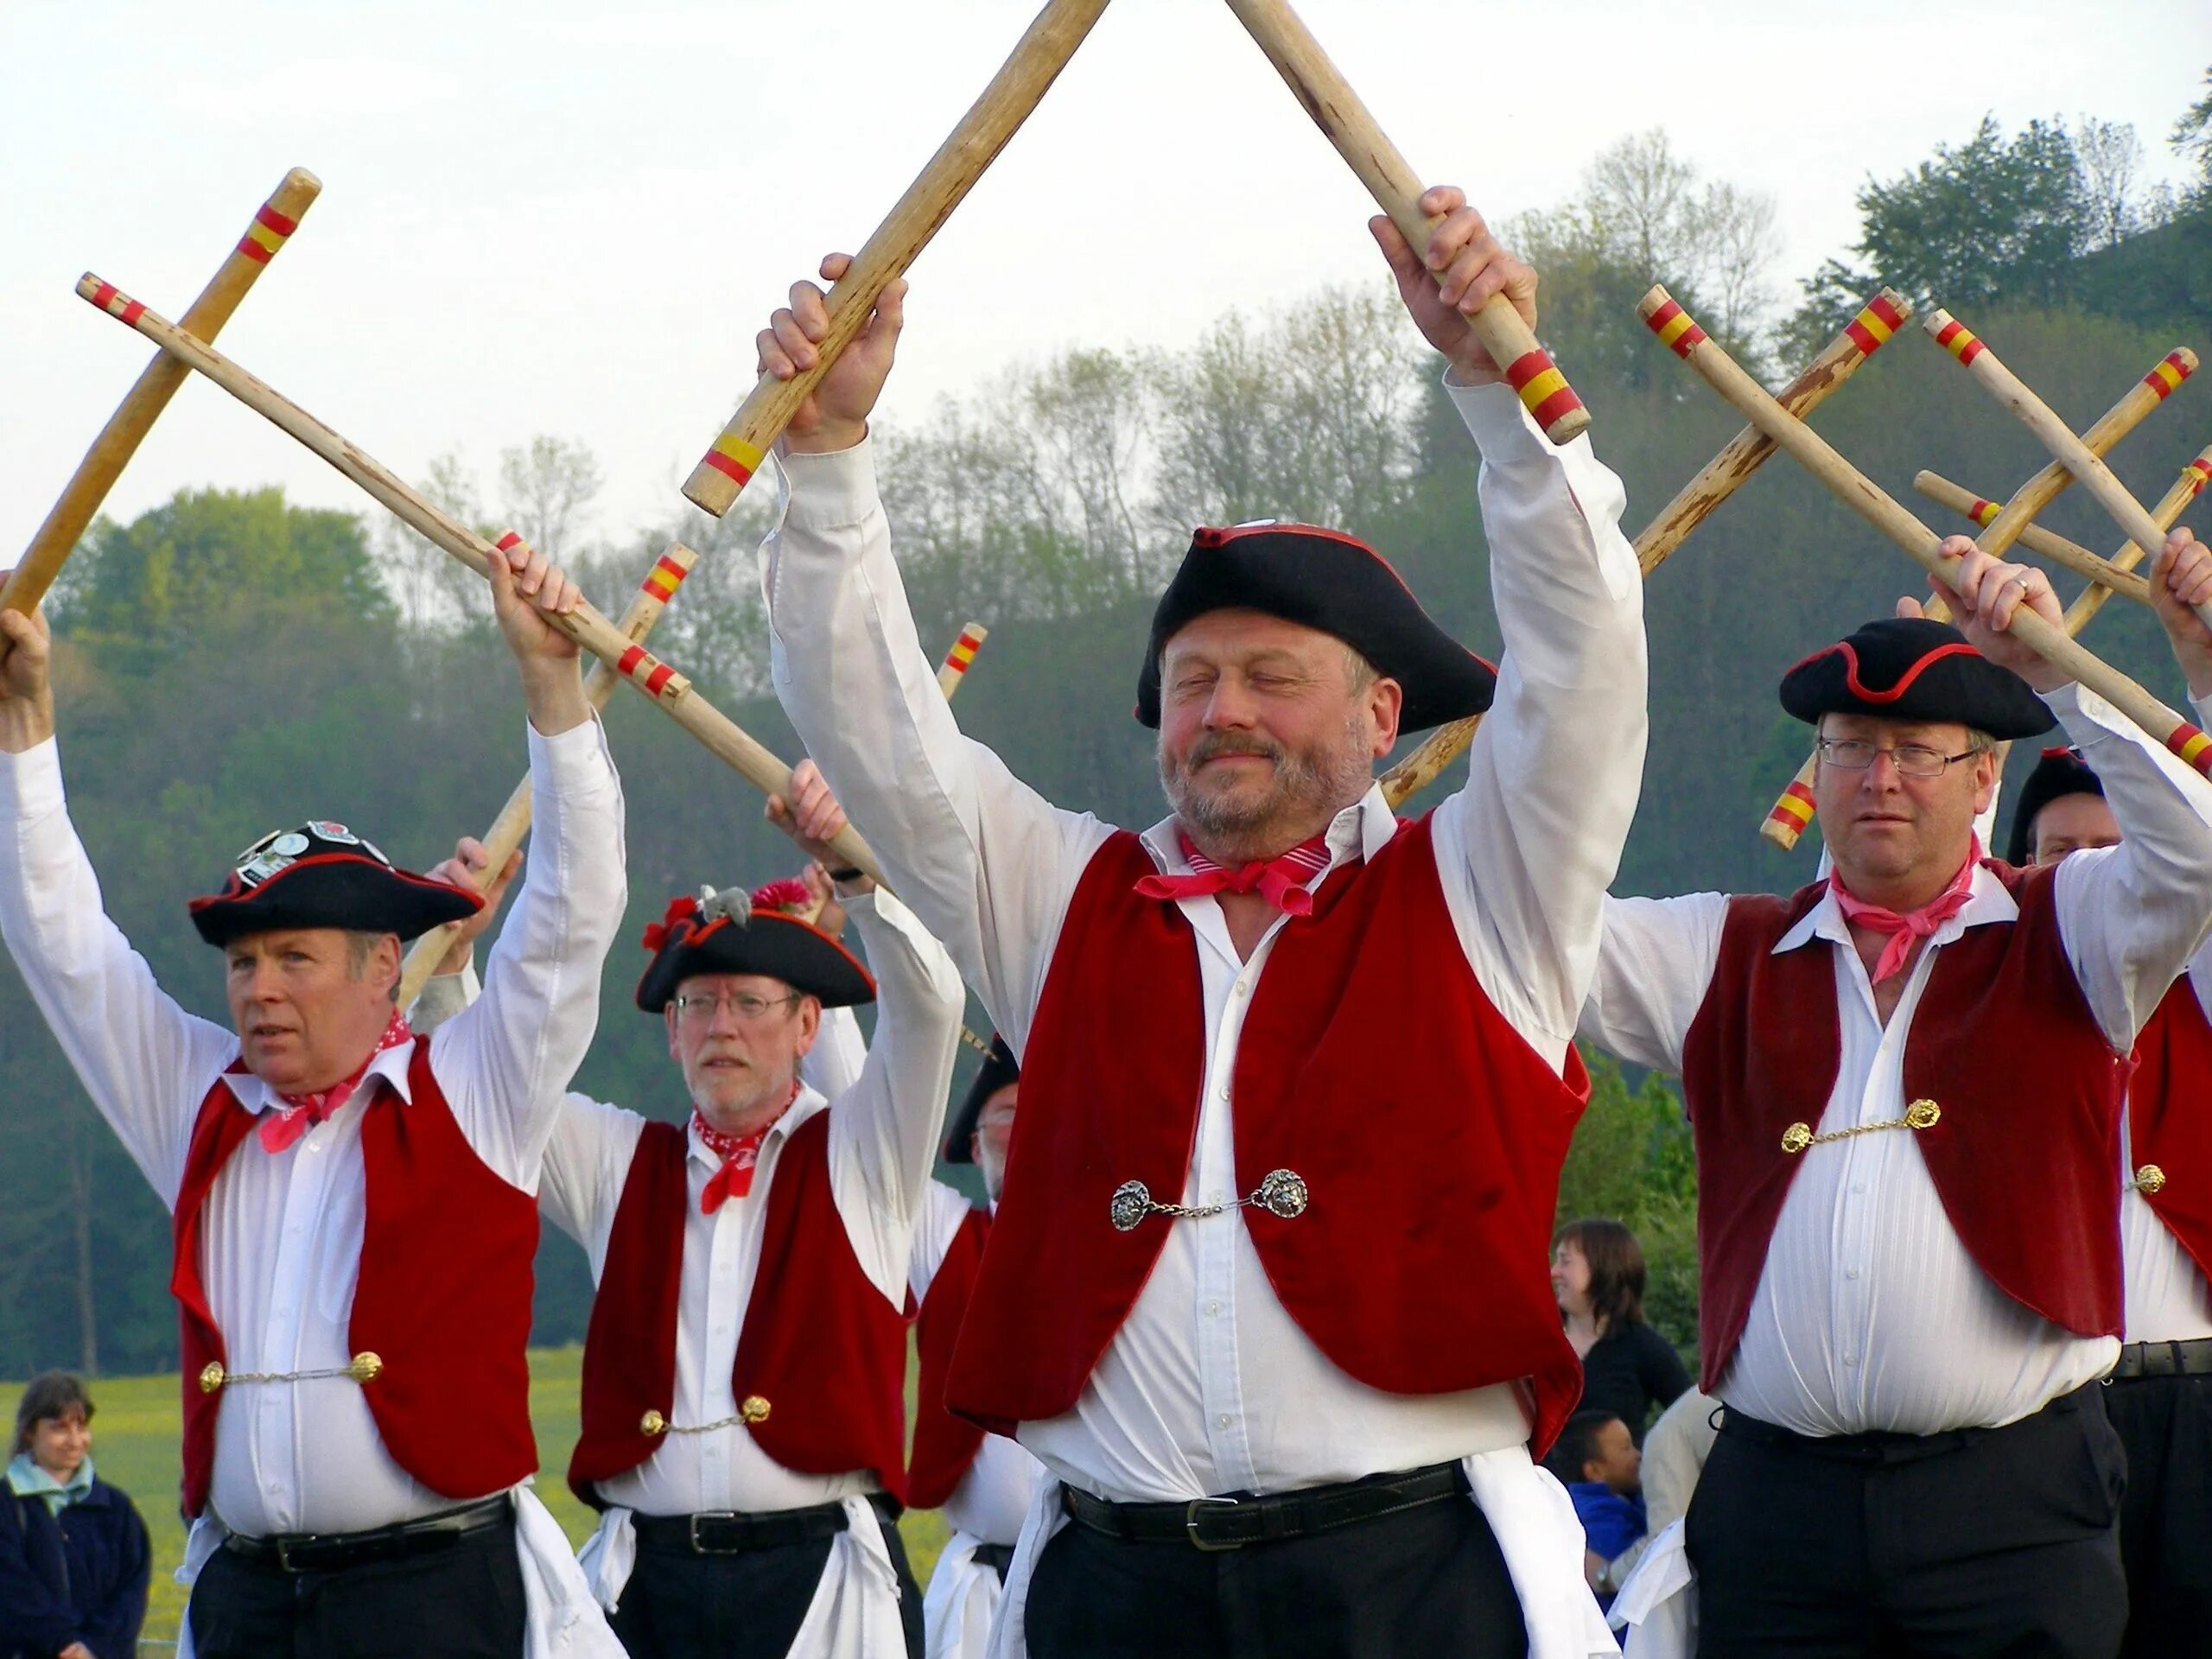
[[73, 1556], [1628, 1369]]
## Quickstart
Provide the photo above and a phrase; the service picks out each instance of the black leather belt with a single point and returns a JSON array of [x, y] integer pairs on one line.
[[1231, 1523], [732, 1532], [997, 1557], [2163, 1359], [1892, 1447], [334, 1552]]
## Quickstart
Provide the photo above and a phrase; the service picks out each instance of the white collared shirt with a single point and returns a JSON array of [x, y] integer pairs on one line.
[[1210, 1386], [283, 1231], [882, 1145], [2169, 1298], [1869, 1312]]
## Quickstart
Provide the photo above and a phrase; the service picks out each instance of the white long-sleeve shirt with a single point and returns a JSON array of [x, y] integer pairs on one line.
[[882, 1145], [1869, 1312], [283, 1231], [1210, 1386]]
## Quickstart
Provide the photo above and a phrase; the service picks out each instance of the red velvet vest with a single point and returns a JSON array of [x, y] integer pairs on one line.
[[1429, 1134], [2169, 1117], [2024, 1155], [944, 1445], [821, 1352], [443, 1298]]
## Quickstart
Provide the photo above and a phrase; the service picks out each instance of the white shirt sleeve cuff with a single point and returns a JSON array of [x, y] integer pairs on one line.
[[31, 783], [575, 757], [1499, 423], [833, 490], [2088, 718]]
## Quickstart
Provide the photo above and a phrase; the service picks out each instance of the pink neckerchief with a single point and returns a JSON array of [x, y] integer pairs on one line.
[[1912, 925], [279, 1129], [738, 1154], [1280, 880]]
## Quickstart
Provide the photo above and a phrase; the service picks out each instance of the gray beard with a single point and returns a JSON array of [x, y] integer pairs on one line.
[[1304, 785]]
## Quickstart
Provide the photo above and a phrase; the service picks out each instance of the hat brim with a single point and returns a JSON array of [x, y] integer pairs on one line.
[[773, 945], [1336, 585], [340, 890], [998, 1070], [1912, 669]]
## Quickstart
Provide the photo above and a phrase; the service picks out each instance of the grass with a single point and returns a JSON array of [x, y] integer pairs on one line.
[[135, 1445]]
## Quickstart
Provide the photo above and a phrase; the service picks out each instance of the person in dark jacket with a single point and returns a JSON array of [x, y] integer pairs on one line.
[[73, 1555], [1628, 1369]]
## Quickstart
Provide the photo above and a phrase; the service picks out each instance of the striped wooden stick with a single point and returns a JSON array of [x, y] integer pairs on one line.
[[961, 658], [2048, 543], [669, 690], [1328, 98], [1792, 812], [2186, 488], [502, 840], [1718, 480], [265, 233], [2056, 436], [940, 187], [1920, 543]]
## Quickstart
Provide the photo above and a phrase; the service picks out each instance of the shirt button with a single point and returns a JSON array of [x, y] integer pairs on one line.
[[1213, 1310], [1214, 1198], [1850, 1356], [1858, 1186], [1224, 1420], [1851, 1273]]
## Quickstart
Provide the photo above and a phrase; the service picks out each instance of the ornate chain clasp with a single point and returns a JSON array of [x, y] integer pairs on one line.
[[1282, 1192], [1921, 1115]]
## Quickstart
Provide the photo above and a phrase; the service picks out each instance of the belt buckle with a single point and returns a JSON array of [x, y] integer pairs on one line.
[[284, 1546], [1190, 1524], [693, 1520]]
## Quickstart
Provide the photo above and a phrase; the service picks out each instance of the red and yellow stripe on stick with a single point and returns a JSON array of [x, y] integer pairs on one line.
[[667, 574], [2174, 368], [961, 658], [2201, 470], [1956, 337], [1793, 810], [1877, 320], [267, 234], [1544, 392], [81, 498], [1678, 332]]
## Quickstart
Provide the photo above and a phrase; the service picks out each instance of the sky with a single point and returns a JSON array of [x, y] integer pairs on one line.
[[572, 218]]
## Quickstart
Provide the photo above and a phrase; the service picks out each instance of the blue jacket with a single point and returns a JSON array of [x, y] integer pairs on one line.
[[1612, 1522], [80, 1576]]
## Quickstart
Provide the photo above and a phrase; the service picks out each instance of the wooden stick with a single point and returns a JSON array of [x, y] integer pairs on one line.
[[1336, 109], [274, 220], [2072, 555], [1716, 480], [1920, 543], [2055, 435], [504, 836], [940, 187], [961, 658], [1792, 812], [669, 690], [2186, 488]]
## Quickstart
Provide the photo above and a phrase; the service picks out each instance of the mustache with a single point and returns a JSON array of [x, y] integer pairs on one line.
[[1212, 746]]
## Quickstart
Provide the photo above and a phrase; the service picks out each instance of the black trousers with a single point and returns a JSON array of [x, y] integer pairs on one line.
[[1972, 1545], [748, 1605], [2165, 1522], [461, 1602], [1429, 1581]]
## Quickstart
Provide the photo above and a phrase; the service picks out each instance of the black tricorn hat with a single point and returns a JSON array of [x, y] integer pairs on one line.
[[1909, 668], [999, 1069], [1323, 579], [730, 932], [322, 875], [2060, 773]]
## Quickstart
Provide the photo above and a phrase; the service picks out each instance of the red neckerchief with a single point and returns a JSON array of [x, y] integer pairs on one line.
[[1280, 880], [1912, 924], [738, 1154], [280, 1129]]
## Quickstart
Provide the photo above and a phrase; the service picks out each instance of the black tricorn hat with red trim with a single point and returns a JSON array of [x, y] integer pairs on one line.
[[1326, 580], [999, 1069], [733, 932], [322, 875], [2060, 773], [1909, 668]]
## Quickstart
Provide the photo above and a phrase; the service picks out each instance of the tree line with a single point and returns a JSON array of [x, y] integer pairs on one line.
[[229, 662]]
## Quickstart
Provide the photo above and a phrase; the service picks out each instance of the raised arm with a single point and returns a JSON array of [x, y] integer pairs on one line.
[[144, 1061], [1655, 961], [1529, 845], [505, 1062], [987, 864]]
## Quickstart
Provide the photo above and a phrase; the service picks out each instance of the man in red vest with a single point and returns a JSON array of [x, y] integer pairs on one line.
[[355, 1210], [2159, 1396], [1905, 1083], [1267, 1316], [983, 1483], [744, 1428]]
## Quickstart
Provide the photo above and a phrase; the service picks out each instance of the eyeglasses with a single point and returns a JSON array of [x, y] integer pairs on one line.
[[1911, 759], [699, 1006]]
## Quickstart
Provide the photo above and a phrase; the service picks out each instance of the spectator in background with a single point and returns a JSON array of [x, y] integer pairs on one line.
[[73, 1555], [1628, 1369], [1597, 1459]]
